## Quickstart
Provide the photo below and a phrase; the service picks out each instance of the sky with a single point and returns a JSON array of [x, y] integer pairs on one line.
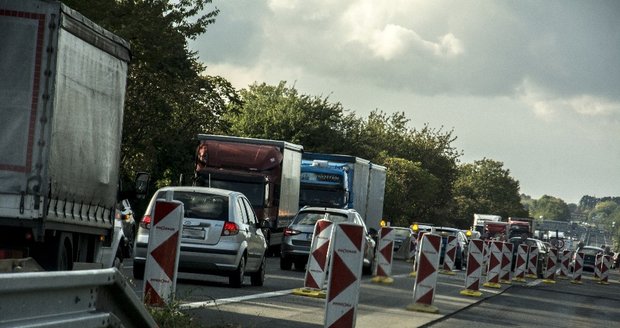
[[532, 84]]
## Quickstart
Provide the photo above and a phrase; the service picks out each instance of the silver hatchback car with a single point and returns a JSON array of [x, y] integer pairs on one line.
[[298, 236], [221, 235]]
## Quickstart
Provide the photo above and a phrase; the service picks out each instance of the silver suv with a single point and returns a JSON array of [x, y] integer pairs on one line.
[[221, 235], [295, 247]]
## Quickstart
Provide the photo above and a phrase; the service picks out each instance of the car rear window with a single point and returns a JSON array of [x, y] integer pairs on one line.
[[203, 205], [591, 251], [402, 233], [310, 218]]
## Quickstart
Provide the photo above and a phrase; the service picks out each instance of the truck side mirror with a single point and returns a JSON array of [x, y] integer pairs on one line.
[[142, 184]]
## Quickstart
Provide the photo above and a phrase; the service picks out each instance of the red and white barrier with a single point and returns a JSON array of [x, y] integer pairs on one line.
[[345, 267], [532, 263], [426, 279], [474, 268], [564, 261], [316, 269], [597, 266], [162, 259], [417, 256], [449, 256], [521, 262], [413, 245], [384, 256], [578, 269], [552, 260], [605, 265], [486, 253], [506, 263], [495, 260]]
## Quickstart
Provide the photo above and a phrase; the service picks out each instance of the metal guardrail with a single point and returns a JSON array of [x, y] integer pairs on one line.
[[89, 298]]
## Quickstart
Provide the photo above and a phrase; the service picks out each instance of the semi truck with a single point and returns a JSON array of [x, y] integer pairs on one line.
[[343, 181], [62, 91], [267, 172]]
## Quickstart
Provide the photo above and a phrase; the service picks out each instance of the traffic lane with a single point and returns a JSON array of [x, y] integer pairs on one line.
[[379, 304], [562, 304]]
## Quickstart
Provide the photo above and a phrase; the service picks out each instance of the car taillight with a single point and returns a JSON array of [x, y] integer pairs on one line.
[[230, 229], [146, 222], [291, 232]]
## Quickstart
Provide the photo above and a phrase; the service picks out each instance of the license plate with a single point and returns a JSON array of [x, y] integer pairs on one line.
[[194, 233]]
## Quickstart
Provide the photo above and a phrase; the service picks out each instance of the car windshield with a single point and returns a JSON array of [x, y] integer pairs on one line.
[[324, 197], [445, 233], [402, 233], [203, 205], [310, 218]]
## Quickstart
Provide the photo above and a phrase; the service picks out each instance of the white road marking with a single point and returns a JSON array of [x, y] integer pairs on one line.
[[209, 303]]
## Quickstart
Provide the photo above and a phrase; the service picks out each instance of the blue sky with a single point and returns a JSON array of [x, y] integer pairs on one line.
[[532, 84]]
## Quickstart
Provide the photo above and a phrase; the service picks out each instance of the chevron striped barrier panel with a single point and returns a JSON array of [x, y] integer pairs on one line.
[[532, 263], [552, 260], [598, 261], [162, 259], [345, 267], [474, 268], [384, 257], [564, 260], [521, 262], [316, 269], [506, 263], [486, 257], [578, 269], [449, 256], [495, 261], [605, 265], [417, 252], [426, 279]]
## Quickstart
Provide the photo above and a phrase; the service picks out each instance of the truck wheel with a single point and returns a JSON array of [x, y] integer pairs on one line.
[[138, 271]]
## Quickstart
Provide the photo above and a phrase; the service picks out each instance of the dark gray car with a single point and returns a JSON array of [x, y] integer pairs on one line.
[[297, 239]]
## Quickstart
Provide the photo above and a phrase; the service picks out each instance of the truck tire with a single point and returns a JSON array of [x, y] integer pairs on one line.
[[55, 255]]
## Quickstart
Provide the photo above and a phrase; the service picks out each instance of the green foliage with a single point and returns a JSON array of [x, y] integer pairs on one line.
[[550, 208], [486, 187]]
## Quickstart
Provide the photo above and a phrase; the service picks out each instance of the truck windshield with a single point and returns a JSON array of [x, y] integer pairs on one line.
[[319, 197], [255, 192]]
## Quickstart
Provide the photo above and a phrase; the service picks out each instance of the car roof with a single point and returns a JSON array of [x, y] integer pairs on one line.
[[447, 229], [328, 209], [205, 190], [593, 247]]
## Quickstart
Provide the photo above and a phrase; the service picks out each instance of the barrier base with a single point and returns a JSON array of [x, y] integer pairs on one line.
[[578, 282], [470, 292], [519, 280], [492, 285], [413, 274], [562, 277], [531, 276], [503, 281], [309, 292], [419, 307], [603, 283], [448, 272], [548, 281], [382, 279]]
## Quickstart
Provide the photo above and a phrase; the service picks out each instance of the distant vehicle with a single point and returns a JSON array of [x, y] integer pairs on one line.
[[221, 235], [481, 219], [589, 257], [298, 236], [543, 252], [461, 245], [400, 236]]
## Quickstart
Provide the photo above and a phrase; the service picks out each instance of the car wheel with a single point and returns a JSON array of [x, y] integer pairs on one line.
[[138, 271], [458, 264], [236, 278], [285, 263], [258, 278], [300, 264]]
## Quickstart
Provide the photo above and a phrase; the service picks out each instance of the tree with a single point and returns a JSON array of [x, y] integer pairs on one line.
[[486, 187], [550, 208]]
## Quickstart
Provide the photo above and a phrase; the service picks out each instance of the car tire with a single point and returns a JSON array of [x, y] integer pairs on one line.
[[258, 278], [285, 263], [236, 278], [458, 264], [300, 264], [138, 271]]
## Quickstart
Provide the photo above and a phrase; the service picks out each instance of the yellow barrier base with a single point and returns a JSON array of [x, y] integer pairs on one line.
[[603, 283], [413, 274], [419, 307], [508, 282], [472, 293], [451, 273], [309, 292], [382, 279], [577, 282], [492, 285], [519, 280], [531, 276], [562, 277], [548, 281]]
